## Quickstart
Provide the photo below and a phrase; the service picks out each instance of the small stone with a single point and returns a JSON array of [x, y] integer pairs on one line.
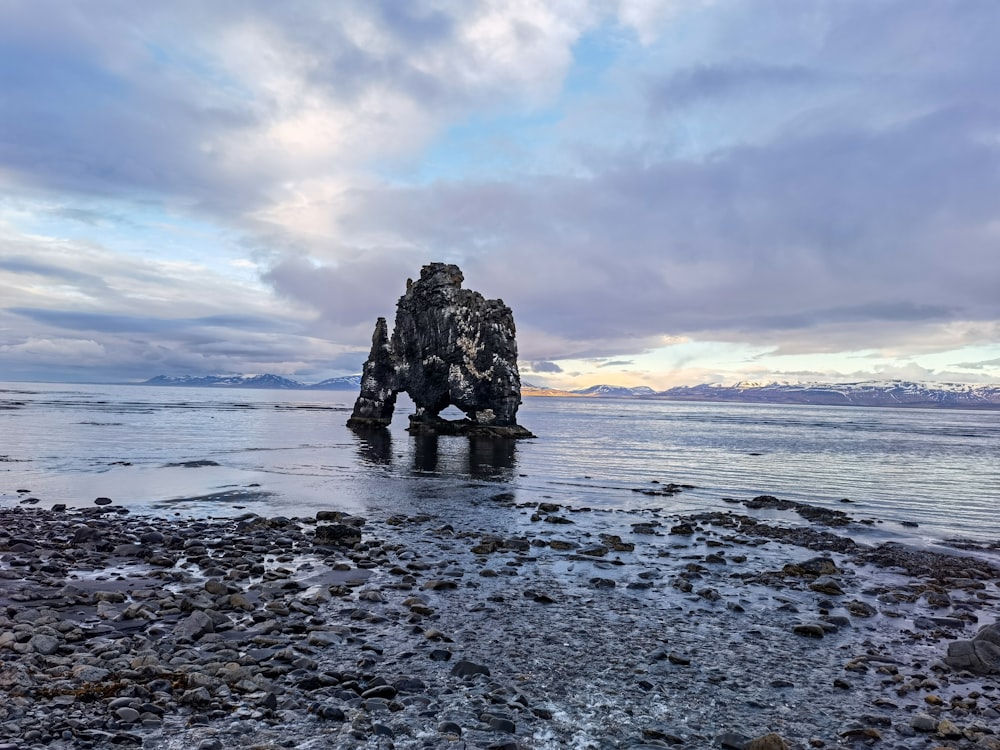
[[503, 725], [827, 585], [862, 733], [732, 741], [814, 566], [102, 501], [861, 609], [947, 729], [337, 534], [809, 630], [380, 691], [89, 673], [128, 715], [195, 625], [216, 587], [196, 697], [329, 713], [437, 584], [924, 723], [464, 668], [770, 741], [46, 645]]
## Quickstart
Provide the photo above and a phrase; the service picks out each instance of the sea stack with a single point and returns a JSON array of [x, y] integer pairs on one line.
[[449, 346]]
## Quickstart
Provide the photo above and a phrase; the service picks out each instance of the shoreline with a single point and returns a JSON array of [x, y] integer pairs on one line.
[[592, 628]]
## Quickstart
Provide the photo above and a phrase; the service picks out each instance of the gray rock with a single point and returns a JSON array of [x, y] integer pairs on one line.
[[924, 723], [329, 713], [498, 724], [464, 668], [380, 691], [732, 741], [809, 630], [771, 741], [827, 585], [196, 697], [128, 715], [89, 673], [46, 645], [979, 656], [989, 633], [195, 625], [338, 533]]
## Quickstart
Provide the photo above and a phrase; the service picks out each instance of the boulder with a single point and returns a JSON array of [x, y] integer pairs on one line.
[[981, 655], [449, 347]]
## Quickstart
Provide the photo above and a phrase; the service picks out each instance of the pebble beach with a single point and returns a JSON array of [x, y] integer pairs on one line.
[[765, 626]]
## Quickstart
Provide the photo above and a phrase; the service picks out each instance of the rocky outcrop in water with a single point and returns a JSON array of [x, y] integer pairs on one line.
[[449, 346]]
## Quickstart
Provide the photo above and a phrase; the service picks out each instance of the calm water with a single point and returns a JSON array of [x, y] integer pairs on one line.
[[290, 453]]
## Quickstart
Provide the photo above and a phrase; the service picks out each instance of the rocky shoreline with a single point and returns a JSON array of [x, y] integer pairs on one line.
[[545, 627]]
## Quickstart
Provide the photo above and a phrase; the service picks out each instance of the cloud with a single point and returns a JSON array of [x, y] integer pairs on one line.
[[798, 233], [804, 178], [617, 363], [53, 351], [253, 104], [103, 322], [544, 367], [748, 79], [21, 264], [987, 363]]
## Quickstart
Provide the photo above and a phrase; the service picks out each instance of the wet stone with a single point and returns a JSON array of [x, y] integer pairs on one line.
[[809, 630], [464, 668]]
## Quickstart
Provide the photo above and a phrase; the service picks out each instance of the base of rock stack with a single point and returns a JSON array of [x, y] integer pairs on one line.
[[424, 425]]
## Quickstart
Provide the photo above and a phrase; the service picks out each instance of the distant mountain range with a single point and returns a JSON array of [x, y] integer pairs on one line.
[[868, 393], [346, 383]]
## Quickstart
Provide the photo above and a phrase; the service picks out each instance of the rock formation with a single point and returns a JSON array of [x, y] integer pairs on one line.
[[449, 346]]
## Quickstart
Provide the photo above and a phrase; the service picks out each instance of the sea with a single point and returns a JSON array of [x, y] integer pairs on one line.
[[915, 475]]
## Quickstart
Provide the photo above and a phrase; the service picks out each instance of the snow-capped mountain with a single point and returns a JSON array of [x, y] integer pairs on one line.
[[866, 393], [615, 390], [227, 381], [343, 383]]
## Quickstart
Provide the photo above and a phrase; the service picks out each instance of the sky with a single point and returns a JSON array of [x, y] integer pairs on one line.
[[665, 192]]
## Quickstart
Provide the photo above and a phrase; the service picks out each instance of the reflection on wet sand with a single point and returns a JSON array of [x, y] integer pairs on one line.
[[374, 445], [482, 458]]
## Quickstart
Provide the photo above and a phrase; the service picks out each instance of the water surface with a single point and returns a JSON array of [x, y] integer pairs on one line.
[[207, 451]]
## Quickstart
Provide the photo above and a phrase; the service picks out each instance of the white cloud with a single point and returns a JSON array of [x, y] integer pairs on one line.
[[54, 351], [803, 178]]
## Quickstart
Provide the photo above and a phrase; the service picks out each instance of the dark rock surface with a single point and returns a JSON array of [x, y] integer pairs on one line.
[[450, 347]]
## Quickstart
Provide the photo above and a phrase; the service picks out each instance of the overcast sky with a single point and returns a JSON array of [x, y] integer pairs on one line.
[[664, 191]]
